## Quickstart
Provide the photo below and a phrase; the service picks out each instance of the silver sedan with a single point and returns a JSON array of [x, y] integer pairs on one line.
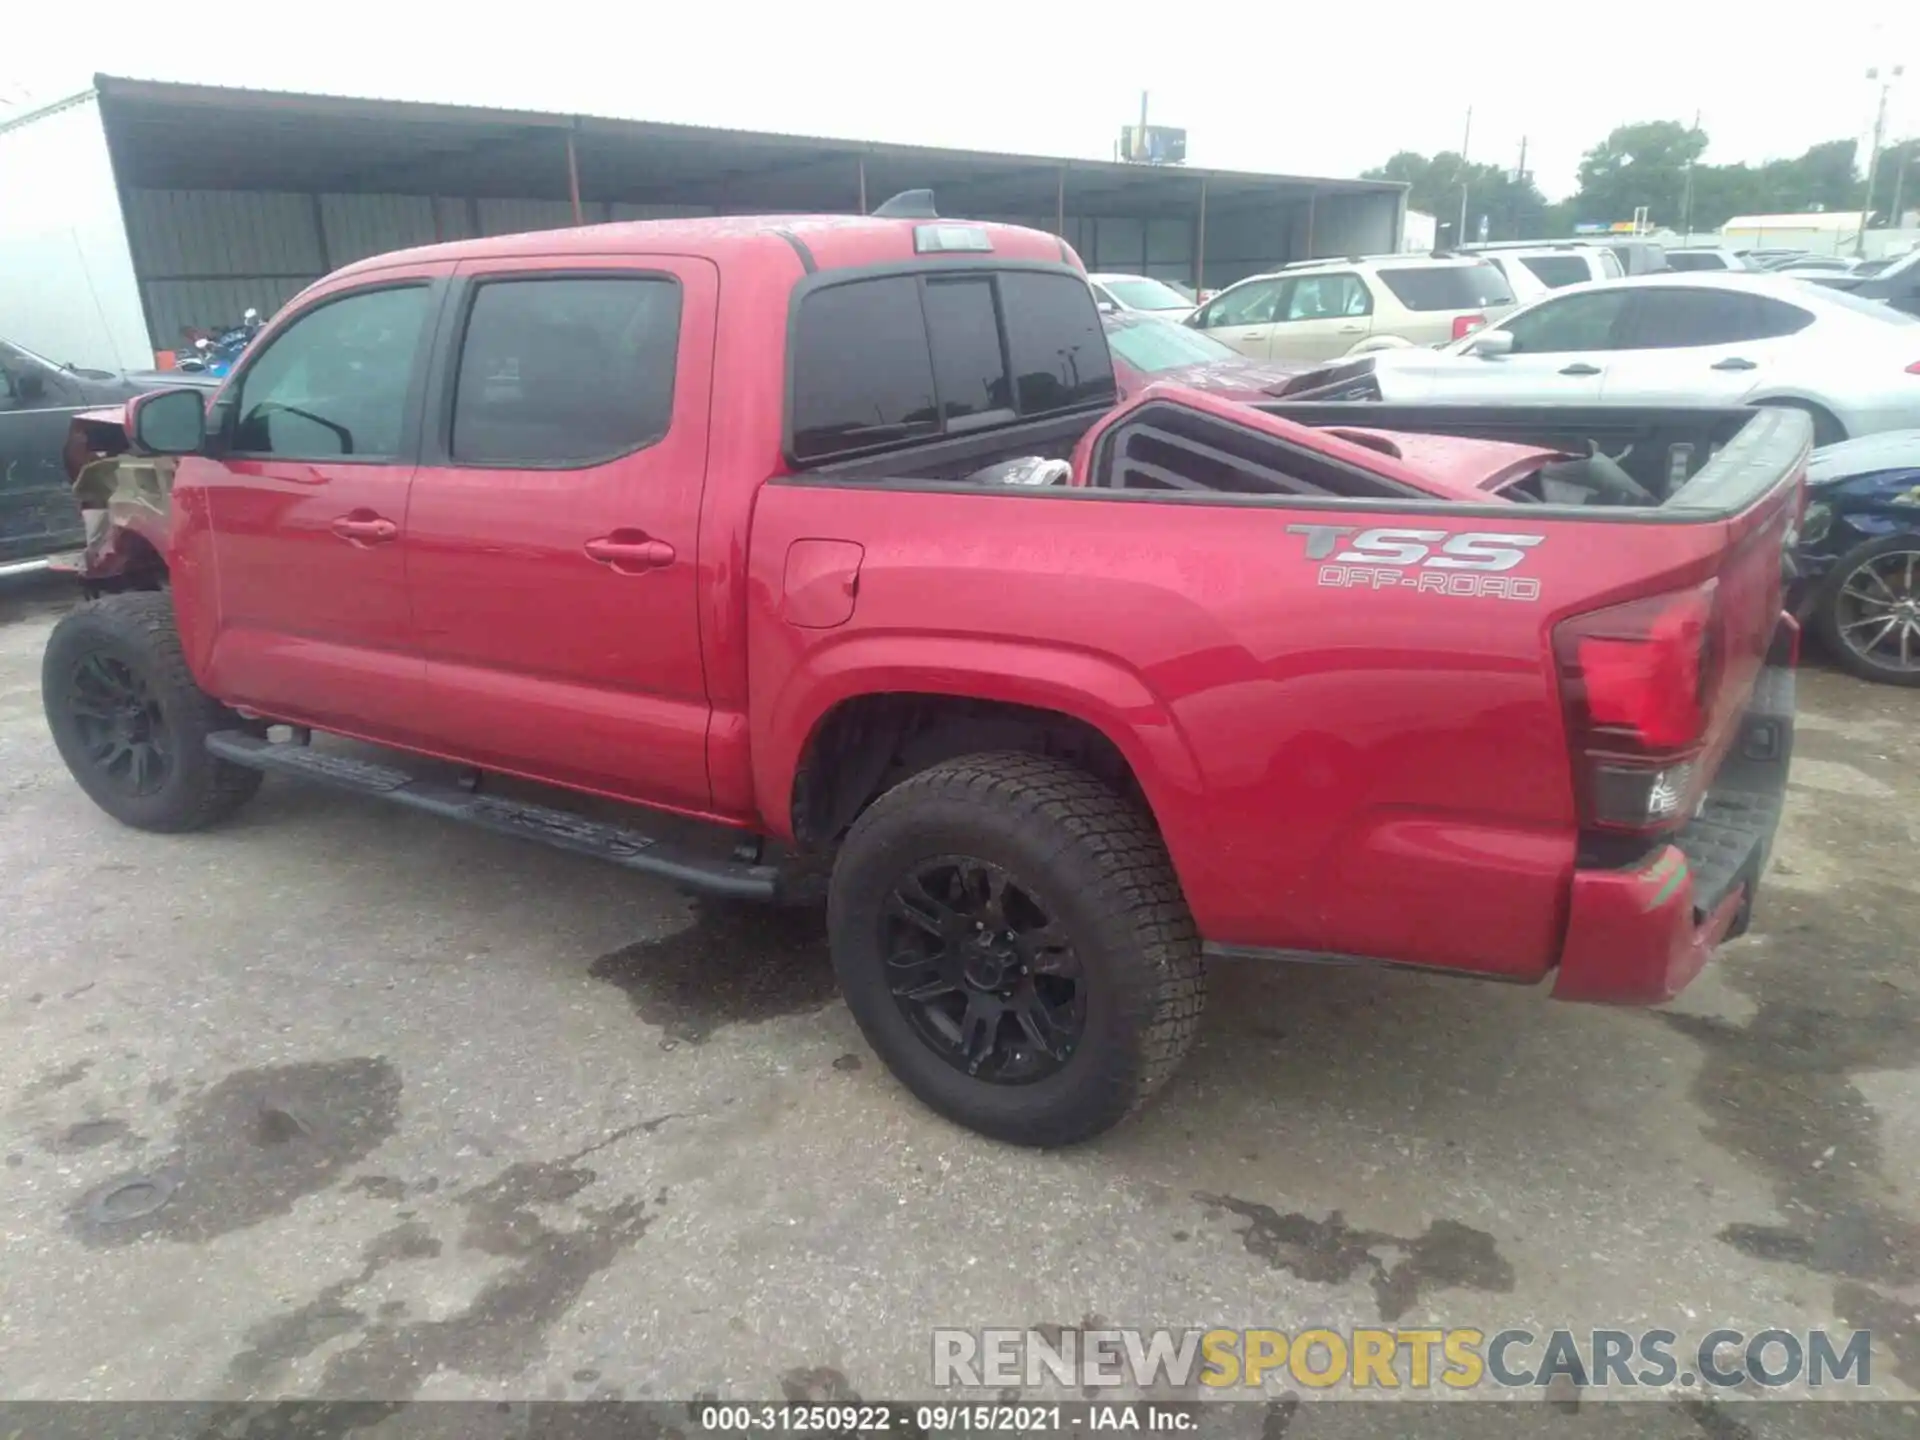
[[1685, 339]]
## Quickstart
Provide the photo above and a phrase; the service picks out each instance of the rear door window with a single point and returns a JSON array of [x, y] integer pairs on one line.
[[1328, 297], [907, 357], [1679, 319], [566, 370], [1447, 287]]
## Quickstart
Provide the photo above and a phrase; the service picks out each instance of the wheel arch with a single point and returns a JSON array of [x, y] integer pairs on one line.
[[860, 721]]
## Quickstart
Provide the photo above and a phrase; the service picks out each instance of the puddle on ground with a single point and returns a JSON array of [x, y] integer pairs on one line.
[[1447, 1256], [247, 1149], [502, 1329], [736, 964], [91, 1135], [1834, 996]]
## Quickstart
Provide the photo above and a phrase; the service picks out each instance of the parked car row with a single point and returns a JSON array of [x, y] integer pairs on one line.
[[38, 399]]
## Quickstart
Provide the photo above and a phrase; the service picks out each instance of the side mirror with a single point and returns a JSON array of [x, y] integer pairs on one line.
[[169, 422], [30, 385], [1490, 344], [1106, 307]]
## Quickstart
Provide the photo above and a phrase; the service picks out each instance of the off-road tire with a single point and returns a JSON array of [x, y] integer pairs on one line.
[[137, 630], [1826, 613], [1099, 864]]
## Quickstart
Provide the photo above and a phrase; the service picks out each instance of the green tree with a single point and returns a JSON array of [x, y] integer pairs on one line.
[[1514, 208], [1897, 180], [1643, 164]]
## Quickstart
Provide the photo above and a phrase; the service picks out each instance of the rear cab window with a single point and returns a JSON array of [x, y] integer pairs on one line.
[[887, 360], [1447, 287]]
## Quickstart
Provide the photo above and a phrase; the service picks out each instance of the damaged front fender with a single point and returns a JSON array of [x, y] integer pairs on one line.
[[125, 500]]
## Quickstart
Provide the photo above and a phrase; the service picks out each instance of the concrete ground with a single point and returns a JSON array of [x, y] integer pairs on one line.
[[441, 1115]]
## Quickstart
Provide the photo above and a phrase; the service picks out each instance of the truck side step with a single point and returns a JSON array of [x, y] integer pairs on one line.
[[558, 828]]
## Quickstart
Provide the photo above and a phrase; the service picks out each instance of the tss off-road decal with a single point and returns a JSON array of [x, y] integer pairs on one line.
[[1437, 562]]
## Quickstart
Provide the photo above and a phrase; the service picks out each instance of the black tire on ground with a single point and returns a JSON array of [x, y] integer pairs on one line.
[[1071, 852], [130, 721], [1830, 614], [1826, 429]]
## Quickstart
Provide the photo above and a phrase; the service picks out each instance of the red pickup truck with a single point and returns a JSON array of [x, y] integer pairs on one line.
[[715, 517]]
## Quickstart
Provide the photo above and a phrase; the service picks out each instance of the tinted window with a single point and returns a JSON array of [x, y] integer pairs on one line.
[[1554, 271], [1059, 352], [1678, 319], [566, 371], [1448, 287], [969, 370], [1327, 297], [334, 382], [1572, 322], [1253, 303], [862, 372], [1696, 260]]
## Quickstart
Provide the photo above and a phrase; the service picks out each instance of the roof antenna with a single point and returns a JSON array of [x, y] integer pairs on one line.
[[908, 205]]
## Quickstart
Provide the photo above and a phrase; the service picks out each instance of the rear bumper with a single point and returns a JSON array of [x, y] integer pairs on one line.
[[1638, 936]]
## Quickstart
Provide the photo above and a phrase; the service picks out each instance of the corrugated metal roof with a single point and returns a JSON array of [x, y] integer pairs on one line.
[[152, 96]]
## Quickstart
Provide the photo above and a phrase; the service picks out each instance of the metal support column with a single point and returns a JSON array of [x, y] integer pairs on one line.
[[1060, 205], [1200, 245], [863, 184], [573, 180]]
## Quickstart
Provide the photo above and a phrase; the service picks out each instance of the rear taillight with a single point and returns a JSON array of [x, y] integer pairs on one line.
[[1914, 368], [1465, 325], [1637, 682]]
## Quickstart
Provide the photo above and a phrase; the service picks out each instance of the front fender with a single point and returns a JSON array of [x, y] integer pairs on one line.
[[1092, 688]]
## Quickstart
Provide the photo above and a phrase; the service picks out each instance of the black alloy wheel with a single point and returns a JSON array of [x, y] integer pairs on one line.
[[981, 972], [119, 724]]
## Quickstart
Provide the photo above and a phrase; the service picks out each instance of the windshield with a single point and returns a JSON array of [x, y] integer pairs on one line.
[[1154, 347], [1143, 294]]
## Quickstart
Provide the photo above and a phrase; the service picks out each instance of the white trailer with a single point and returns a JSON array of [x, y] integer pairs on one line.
[[68, 290]]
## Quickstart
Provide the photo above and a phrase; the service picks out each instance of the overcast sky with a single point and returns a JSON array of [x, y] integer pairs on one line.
[[1292, 88]]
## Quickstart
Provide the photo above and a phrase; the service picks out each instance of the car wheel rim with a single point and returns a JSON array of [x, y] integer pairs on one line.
[[120, 725], [1879, 610], [982, 972]]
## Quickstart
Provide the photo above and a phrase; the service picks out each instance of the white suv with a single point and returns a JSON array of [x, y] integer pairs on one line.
[[1551, 267], [1324, 309]]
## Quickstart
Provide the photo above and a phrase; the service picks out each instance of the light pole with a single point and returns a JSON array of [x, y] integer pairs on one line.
[[1873, 156], [1460, 235]]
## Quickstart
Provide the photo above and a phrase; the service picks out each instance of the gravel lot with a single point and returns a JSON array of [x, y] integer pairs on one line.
[[449, 1116]]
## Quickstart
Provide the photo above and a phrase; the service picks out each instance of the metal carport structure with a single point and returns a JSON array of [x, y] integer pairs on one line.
[[233, 198]]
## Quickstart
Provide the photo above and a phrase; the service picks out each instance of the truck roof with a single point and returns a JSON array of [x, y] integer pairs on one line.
[[823, 242]]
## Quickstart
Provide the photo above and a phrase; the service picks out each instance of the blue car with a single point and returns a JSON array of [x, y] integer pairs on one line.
[[1859, 555]]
